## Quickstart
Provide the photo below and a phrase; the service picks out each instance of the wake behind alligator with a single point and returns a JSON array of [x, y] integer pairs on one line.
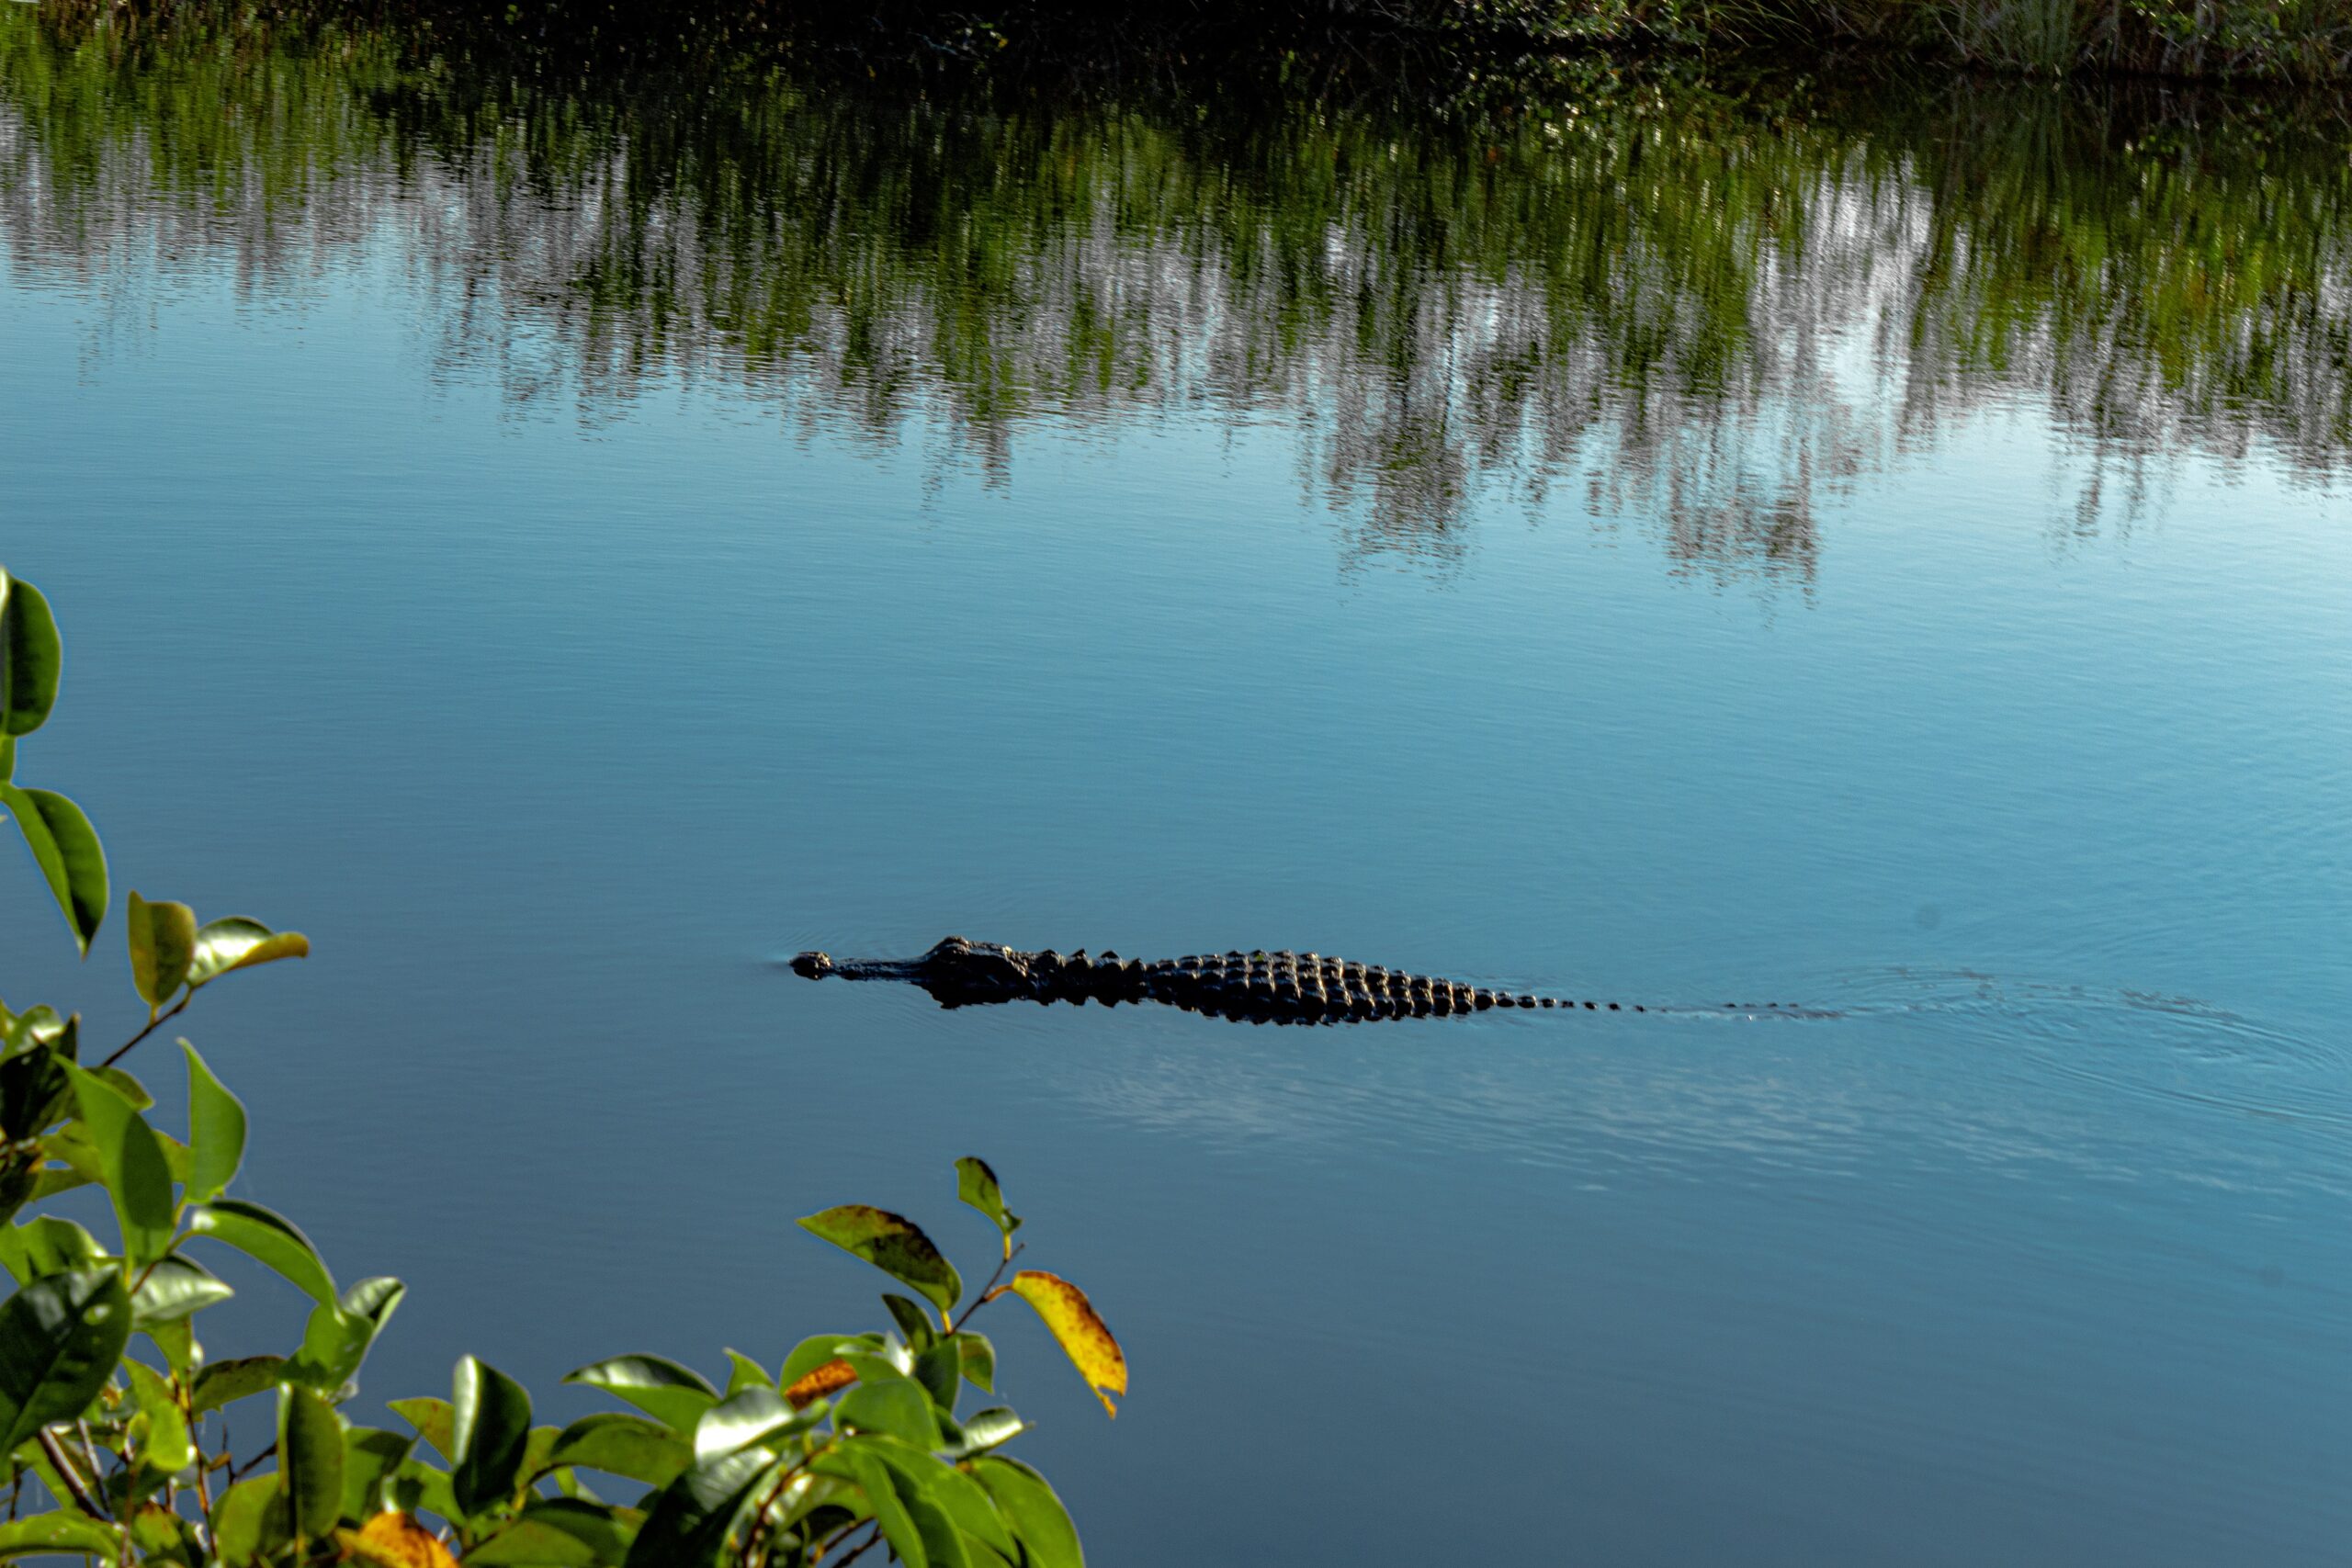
[[1254, 988]]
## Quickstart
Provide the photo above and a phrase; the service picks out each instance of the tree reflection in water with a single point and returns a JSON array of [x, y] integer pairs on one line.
[[1707, 308]]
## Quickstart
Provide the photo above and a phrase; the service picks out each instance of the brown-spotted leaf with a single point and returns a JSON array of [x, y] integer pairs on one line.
[[394, 1540], [835, 1374], [1080, 1329], [893, 1244]]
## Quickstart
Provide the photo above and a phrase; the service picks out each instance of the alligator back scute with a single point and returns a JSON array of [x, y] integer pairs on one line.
[[1257, 986]]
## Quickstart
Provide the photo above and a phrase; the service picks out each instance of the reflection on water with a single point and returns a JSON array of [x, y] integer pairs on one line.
[[1711, 310]]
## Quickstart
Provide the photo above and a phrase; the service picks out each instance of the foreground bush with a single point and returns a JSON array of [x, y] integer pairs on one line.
[[853, 1440]]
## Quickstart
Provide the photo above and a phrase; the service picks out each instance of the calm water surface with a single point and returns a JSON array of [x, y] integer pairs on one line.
[[566, 552]]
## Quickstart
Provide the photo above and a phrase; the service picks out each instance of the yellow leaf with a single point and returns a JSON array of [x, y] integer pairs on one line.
[[1084, 1336], [833, 1374], [394, 1540]]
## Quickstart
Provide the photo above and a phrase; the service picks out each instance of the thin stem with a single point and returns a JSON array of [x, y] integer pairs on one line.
[[756, 1541], [89, 1450], [63, 1465], [982, 1299], [203, 1472], [238, 1473], [860, 1549], [153, 1024]]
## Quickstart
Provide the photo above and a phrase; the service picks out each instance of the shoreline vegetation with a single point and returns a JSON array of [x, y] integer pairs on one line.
[[2270, 42]]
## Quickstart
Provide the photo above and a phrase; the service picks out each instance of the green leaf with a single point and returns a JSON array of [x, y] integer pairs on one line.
[[337, 1338], [235, 942], [309, 1462], [175, 1289], [435, 1421], [162, 945], [976, 1184], [491, 1428], [168, 1448], [66, 849], [990, 1428], [954, 1494], [176, 1341], [40, 1026], [71, 1143], [268, 1237], [159, 1536], [137, 1182], [216, 1131], [893, 1244], [748, 1417], [855, 1461], [537, 1444], [689, 1523], [914, 1324], [31, 657], [225, 1382], [660, 1387], [900, 1408], [559, 1532], [942, 1546], [419, 1485], [61, 1535], [371, 1457], [60, 1338], [130, 1088], [940, 1372], [35, 1091], [746, 1373], [979, 1359], [621, 1445], [48, 1244], [1036, 1515], [244, 1521]]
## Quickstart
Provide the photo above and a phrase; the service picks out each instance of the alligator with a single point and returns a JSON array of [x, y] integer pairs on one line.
[[1256, 987]]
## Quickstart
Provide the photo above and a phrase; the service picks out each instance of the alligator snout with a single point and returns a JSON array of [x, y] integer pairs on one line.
[[812, 965]]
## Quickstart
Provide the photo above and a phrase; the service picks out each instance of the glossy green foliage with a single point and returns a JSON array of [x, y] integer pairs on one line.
[[855, 1442], [893, 1244], [655, 1384], [31, 657], [310, 1463], [60, 1338], [269, 1238], [490, 1426], [131, 1160], [216, 1131], [66, 849]]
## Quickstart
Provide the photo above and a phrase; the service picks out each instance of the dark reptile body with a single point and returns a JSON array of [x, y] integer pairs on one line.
[[1257, 986]]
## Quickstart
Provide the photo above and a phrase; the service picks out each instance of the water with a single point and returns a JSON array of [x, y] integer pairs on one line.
[[566, 552]]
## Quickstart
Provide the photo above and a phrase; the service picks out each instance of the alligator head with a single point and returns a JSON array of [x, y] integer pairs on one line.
[[955, 968]]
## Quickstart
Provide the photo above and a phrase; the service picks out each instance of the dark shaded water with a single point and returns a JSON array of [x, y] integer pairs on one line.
[[567, 551]]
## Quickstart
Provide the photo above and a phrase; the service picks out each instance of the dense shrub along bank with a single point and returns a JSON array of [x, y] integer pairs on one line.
[[2273, 40]]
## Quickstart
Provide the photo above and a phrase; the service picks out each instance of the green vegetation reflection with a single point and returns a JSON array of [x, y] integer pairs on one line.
[[1709, 307]]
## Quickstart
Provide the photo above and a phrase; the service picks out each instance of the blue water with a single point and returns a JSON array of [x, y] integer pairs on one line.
[[558, 723]]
